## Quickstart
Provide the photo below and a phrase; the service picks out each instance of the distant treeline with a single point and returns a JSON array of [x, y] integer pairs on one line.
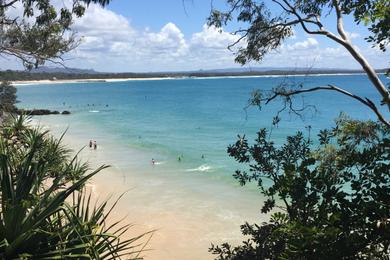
[[10, 75]]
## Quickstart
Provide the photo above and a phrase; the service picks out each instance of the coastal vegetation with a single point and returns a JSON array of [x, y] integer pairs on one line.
[[42, 31], [327, 198], [10, 75], [46, 211], [326, 201], [7, 98]]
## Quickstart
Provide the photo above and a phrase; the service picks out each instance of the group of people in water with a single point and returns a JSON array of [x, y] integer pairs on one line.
[[179, 158], [92, 144], [88, 105]]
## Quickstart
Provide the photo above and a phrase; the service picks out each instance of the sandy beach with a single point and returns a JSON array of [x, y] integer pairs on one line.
[[64, 81], [95, 80], [186, 218]]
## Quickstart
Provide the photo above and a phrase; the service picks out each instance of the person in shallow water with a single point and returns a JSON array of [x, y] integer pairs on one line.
[[153, 161], [94, 145], [90, 143]]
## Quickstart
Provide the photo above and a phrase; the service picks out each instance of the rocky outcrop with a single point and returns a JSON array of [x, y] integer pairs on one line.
[[40, 112]]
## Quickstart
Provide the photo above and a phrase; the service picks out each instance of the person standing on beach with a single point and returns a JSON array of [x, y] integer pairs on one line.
[[94, 145]]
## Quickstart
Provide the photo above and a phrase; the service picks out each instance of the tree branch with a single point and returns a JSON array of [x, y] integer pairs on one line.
[[262, 33], [365, 101], [340, 27], [5, 5], [348, 45]]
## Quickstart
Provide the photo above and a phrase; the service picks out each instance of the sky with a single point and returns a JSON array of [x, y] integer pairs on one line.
[[172, 35]]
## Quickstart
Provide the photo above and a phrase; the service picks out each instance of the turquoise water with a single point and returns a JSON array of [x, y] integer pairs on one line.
[[191, 117], [195, 201]]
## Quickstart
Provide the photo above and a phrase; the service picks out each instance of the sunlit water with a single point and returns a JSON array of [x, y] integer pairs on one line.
[[193, 200]]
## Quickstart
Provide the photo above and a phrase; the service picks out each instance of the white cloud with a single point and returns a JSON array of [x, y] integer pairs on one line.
[[111, 43], [119, 43], [213, 38], [168, 42], [101, 28], [309, 43], [353, 35]]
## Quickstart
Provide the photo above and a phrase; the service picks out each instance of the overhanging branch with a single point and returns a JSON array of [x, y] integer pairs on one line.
[[365, 101]]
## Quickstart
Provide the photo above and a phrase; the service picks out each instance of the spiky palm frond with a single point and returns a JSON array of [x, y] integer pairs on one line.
[[45, 212]]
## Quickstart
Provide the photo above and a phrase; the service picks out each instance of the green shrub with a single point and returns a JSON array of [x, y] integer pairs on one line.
[[328, 202], [45, 211]]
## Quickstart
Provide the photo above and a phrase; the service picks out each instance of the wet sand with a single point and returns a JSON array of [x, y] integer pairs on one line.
[[187, 213]]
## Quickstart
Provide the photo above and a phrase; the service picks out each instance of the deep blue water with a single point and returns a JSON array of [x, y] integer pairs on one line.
[[193, 117]]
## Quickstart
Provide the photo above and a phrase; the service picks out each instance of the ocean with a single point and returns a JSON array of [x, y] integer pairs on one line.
[[185, 126]]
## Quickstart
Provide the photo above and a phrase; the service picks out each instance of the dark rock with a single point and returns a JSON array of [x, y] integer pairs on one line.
[[40, 112]]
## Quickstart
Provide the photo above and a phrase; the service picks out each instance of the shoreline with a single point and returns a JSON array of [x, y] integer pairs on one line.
[[187, 213], [72, 81], [102, 80], [189, 208]]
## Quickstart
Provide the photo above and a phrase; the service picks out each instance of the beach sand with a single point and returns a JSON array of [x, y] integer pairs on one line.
[[187, 213], [94, 80], [68, 81]]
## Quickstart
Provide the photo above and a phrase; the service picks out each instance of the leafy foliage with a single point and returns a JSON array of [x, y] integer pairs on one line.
[[7, 97], [45, 212], [263, 30], [377, 16], [266, 30], [42, 34], [330, 201]]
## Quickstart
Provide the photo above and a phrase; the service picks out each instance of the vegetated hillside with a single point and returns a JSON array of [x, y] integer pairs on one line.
[[46, 69]]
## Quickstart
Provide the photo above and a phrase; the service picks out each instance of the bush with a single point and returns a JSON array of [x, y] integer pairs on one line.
[[7, 97], [45, 211], [327, 202]]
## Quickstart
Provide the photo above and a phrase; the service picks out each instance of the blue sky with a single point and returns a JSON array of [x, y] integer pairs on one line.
[[156, 35], [190, 15]]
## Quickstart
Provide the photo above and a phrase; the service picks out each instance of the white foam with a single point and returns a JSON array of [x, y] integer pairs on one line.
[[202, 168], [94, 111], [158, 163]]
